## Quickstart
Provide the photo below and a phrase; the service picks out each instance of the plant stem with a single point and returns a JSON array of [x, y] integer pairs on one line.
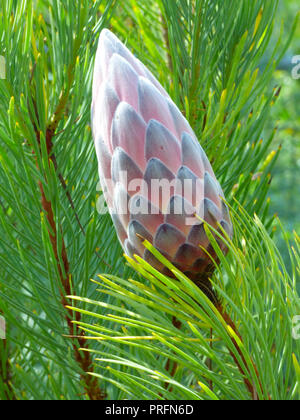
[[5, 372], [83, 358], [250, 386], [169, 368], [205, 285], [209, 361]]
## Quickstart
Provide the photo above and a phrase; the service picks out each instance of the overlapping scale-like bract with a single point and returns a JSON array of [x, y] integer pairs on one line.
[[155, 175]]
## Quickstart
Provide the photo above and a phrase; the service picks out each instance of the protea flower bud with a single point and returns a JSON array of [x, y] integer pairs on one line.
[[155, 176]]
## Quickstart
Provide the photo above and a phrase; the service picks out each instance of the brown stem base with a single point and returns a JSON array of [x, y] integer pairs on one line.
[[250, 386], [171, 368]]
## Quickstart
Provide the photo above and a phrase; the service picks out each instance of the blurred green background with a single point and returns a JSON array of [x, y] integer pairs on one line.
[[285, 187]]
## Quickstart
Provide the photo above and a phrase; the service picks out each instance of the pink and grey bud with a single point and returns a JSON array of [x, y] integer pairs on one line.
[[156, 178]]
